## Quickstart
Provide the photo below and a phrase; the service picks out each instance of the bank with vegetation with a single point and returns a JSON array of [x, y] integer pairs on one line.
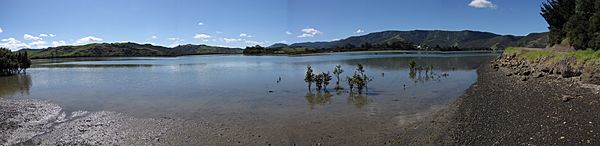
[[126, 50], [12, 63]]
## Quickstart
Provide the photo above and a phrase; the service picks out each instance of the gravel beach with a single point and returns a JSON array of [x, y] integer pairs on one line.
[[502, 109]]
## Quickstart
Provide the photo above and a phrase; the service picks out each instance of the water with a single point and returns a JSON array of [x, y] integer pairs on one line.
[[244, 89]]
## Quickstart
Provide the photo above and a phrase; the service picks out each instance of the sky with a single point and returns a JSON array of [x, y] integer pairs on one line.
[[240, 23]]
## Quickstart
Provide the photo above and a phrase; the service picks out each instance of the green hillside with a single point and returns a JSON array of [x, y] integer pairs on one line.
[[126, 50], [431, 38]]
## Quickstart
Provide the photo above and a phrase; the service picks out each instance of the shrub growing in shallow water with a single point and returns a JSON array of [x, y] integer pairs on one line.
[[337, 71], [309, 77]]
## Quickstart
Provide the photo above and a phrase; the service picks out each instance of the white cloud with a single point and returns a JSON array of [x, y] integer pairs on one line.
[[176, 41], [59, 43], [288, 33], [359, 31], [229, 40], [201, 36], [47, 35], [200, 23], [0, 30], [30, 37], [38, 44], [89, 39], [254, 42], [13, 44], [219, 32], [309, 32], [482, 4], [245, 35], [153, 37]]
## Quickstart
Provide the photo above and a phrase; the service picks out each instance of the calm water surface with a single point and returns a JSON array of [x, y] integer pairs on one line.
[[237, 88]]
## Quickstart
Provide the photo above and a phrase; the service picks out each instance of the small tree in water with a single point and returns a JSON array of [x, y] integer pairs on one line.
[[319, 81], [359, 79], [412, 65], [309, 77], [326, 78], [337, 71], [350, 83]]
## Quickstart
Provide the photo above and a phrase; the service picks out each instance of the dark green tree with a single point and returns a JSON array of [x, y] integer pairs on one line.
[[326, 79], [557, 13], [577, 27], [309, 77], [595, 26], [350, 83], [13, 63], [24, 62], [319, 81], [337, 71]]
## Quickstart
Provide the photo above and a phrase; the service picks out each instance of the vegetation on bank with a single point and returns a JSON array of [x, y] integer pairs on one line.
[[554, 57], [12, 63], [126, 50], [259, 50], [573, 23]]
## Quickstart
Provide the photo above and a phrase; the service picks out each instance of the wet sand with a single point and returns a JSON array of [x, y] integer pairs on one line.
[[33, 122]]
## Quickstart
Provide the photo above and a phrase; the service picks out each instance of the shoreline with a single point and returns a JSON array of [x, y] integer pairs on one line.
[[502, 109], [507, 110], [292, 55], [497, 109]]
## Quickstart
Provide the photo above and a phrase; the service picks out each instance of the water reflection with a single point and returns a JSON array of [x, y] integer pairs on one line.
[[441, 63], [140, 85], [13, 85], [418, 77], [318, 98], [94, 65], [358, 100]]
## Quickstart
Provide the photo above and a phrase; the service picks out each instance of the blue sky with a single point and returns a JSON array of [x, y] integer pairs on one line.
[[240, 23]]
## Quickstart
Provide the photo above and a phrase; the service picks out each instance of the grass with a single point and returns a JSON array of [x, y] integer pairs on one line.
[[553, 57]]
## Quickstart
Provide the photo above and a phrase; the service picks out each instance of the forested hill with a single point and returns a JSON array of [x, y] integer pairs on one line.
[[434, 38], [126, 50]]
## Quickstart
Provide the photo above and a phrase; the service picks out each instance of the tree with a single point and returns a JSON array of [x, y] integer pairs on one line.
[[360, 69], [13, 63], [578, 25], [576, 21], [24, 62], [359, 79], [350, 83], [326, 78], [337, 71], [309, 77], [595, 27], [412, 65], [319, 81], [557, 13]]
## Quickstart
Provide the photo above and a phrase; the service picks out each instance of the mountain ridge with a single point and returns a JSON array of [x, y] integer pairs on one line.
[[441, 38], [128, 49]]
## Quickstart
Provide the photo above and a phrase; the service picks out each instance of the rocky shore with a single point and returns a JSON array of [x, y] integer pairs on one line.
[[515, 102]]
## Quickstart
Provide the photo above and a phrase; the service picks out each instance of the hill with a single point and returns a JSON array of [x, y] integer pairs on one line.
[[436, 38], [126, 50]]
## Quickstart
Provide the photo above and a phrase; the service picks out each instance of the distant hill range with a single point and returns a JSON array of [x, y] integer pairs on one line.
[[386, 40], [126, 50], [465, 40]]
